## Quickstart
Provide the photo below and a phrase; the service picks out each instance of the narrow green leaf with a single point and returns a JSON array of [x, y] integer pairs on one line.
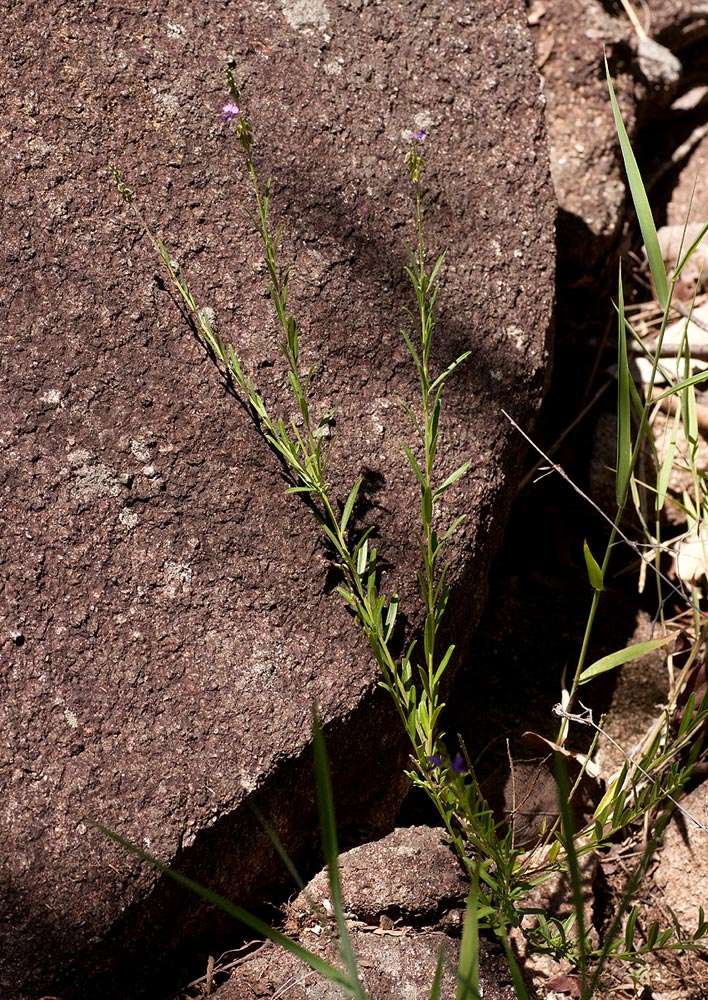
[[679, 386], [328, 829], [629, 929], [514, 970], [413, 462], [624, 416], [452, 479], [437, 978], [468, 969], [621, 656], [349, 505], [443, 664], [641, 202], [391, 616], [258, 926], [412, 350], [436, 268], [362, 557], [594, 570], [444, 376]]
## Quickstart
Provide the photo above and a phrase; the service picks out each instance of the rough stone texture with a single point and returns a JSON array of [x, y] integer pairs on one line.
[[585, 163], [676, 23], [159, 590], [398, 893], [410, 874], [571, 36], [392, 967], [682, 872]]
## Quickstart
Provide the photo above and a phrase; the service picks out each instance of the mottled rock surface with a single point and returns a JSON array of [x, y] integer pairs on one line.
[[411, 875], [402, 897], [168, 616], [585, 161], [572, 38], [392, 967]]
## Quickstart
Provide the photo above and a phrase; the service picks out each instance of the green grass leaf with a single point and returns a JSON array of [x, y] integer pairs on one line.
[[437, 978], [691, 250], [594, 570], [624, 415], [349, 505], [680, 386], [468, 969], [328, 829], [641, 202], [621, 656], [514, 970], [452, 479], [259, 927]]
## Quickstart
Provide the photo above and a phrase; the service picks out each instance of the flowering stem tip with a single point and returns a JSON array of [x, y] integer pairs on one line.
[[230, 112]]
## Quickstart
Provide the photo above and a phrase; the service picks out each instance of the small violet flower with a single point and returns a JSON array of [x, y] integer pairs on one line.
[[230, 112], [458, 764], [420, 135], [436, 760]]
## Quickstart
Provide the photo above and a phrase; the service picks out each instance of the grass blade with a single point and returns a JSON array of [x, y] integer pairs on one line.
[[259, 927], [514, 970], [468, 969], [437, 978], [594, 569], [328, 828], [624, 414], [621, 656], [641, 202], [691, 250], [680, 386]]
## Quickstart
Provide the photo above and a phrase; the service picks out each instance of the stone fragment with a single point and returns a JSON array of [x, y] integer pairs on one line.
[[411, 875], [397, 893], [179, 620]]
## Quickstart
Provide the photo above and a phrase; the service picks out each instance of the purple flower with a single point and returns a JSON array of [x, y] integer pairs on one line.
[[458, 764], [230, 112], [420, 135], [436, 760]]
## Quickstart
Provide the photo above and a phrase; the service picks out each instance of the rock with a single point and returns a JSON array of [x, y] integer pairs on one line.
[[175, 607], [391, 968], [660, 67], [571, 39], [395, 914], [411, 874], [677, 23], [585, 162], [689, 195], [682, 873]]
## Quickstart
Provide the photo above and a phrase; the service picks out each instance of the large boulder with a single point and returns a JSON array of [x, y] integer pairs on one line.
[[169, 616]]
